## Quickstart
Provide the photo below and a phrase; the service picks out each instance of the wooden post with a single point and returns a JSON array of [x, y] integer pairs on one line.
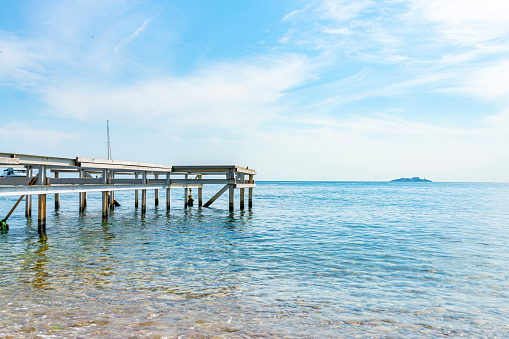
[[112, 193], [231, 188], [28, 198], [200, 192], [168, 191], [80, 196], [242, 192], [41, 212], [105, 195], [144, 194], [136, 192], [156, 191], [57, 196], [185, 192], [251, 181], [232, 197]]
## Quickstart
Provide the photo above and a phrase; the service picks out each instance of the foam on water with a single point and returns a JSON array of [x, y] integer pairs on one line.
[[309, 260]]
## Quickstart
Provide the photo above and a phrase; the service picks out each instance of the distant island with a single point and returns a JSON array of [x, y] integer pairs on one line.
[[414, 179]]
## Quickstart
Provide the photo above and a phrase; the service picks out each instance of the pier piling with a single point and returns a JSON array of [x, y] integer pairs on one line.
[[81, 195], [156, 192], [104, 195], [41, 202], [186, 191], [136, 192], [167, 182], [57, 195], [28, 198], [112, 193], [250, 189], [144, 194], [200, 192]]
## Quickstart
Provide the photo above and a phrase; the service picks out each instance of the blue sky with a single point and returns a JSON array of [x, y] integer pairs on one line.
[[299, 90]]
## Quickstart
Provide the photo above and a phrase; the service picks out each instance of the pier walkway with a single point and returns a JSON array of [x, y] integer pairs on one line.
[[82, 175]]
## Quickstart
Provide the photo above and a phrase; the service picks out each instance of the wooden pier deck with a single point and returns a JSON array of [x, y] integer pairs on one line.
[[43, 177]]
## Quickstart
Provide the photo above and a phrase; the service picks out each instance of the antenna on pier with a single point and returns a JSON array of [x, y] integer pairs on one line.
[[109, 142]]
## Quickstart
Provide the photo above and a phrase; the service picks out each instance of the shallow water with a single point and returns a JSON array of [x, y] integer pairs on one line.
[[310, 259]]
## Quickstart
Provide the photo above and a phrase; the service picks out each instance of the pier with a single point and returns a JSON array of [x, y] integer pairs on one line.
[[53, 175]]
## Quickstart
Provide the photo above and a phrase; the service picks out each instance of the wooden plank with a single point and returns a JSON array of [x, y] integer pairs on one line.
[[245, 170], [217, 195], [8, 161], [202, 169], [46, 189], [90, 165], [212, 169], [14, 181], [25, 159], [203, 181], [245, 185], [84, 162]]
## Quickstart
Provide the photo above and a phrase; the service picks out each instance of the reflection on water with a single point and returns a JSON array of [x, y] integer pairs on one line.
[[309, 260]]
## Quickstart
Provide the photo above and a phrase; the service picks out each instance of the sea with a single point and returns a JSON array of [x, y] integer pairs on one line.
[[308, 260]]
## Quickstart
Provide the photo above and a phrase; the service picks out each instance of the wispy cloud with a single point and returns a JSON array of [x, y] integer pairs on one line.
[[134, 35], [465, 21], [26, 134], [21, 60], [220, 95]]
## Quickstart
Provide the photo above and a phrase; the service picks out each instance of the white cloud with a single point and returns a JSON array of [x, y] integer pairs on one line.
[[219, 95], [466, 21], [16, 133], [342, 10], [491, 82], [20, 61]]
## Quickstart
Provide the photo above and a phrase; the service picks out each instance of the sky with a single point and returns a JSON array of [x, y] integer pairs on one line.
[[298, 90]]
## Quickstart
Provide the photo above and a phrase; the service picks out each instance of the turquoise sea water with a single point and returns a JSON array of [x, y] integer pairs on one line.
[[309, 260]]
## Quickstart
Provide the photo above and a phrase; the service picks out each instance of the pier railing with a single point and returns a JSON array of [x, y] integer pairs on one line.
[[83, 175]]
